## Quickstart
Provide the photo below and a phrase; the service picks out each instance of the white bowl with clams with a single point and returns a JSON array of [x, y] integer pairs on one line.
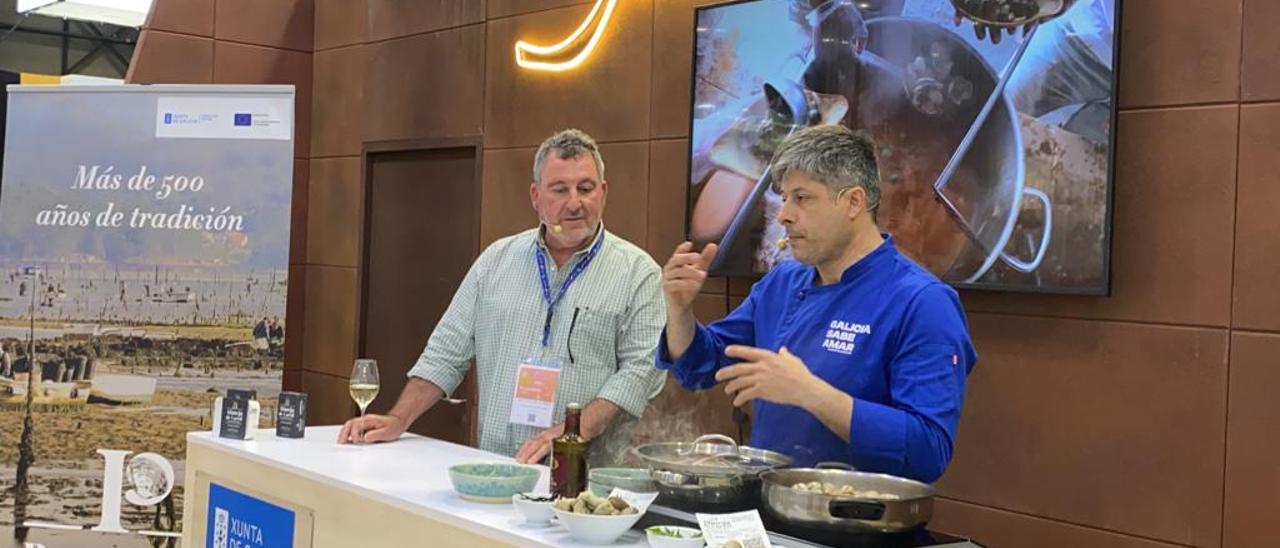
[[595, 529]]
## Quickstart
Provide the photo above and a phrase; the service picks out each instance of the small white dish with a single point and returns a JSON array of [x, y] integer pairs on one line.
[[534, 511], [676, 537]]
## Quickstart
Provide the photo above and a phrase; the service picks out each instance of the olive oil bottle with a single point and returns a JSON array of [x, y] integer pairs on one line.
[[569, 456]]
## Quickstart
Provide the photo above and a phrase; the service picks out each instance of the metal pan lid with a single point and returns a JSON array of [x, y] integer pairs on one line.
[[712, 454]]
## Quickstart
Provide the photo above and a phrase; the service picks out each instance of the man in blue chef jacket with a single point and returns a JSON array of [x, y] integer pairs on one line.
[[850, 353]]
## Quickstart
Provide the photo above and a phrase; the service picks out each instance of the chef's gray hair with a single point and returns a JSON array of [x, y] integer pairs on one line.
[[568, 144], [834, 155]]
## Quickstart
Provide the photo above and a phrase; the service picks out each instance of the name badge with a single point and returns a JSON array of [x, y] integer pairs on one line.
[[534, 401]]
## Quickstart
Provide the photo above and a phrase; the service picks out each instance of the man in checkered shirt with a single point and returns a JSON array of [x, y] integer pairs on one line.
[[600, 328]]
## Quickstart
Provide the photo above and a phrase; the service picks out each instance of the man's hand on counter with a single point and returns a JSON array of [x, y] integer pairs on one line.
[[596, 418], [536, 448], [371, 429]]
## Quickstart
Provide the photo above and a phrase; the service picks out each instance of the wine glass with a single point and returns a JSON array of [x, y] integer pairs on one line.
[[364, 383]]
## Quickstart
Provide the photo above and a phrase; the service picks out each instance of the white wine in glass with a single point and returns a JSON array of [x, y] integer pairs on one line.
[[364, 383]]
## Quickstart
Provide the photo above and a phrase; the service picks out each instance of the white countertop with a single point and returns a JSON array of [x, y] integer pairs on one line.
[[410, 473]]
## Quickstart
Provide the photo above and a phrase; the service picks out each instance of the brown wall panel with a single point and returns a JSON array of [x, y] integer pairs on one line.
[[715, 284], [298, 212], [741, 286], [429, 85], [337, 212], [330, 320], [295, 315], [1253, 441], [182, 16], [167, 58], [242, 64], [606, 96], [668, 162], [340, 23], [1001, 529], [329, 398], [1107, 424], [710, 307], [627, 170], [505, 205], [1256, 301], [1259, 70], [291, 380], [1173, 225], [507, 8], [272, 23], [338, 104], [396, 18], [1176, 53]]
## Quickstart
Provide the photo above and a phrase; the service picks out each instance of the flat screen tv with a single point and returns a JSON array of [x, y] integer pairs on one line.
[[993, 121]]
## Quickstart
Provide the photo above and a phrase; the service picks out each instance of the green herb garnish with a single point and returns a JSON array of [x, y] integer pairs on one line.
[[668, 532]]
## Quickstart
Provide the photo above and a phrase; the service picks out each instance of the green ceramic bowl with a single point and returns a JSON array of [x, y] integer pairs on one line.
[[492, 482], [601, 481]]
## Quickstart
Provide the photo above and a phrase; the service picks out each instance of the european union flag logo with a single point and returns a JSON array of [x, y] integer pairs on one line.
[[244, 119], [168, 118]]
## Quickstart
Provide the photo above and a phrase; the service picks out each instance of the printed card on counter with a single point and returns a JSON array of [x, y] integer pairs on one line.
[[639, 501], [291, 415], [741, 529], [235, 415]]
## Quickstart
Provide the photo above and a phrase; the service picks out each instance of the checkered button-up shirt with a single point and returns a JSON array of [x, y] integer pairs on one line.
[[497, 317]]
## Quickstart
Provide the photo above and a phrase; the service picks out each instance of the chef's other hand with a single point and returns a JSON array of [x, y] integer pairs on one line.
[[371, 429], [779, 377]]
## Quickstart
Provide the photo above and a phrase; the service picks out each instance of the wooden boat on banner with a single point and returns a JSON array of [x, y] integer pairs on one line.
[[13, 392], [122, 389]]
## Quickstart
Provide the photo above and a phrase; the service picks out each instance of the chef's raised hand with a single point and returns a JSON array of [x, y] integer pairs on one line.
[[371, 429], [779, 377], [684, 274]]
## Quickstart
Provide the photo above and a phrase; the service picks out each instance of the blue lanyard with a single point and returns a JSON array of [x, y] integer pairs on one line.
[[546, 284]]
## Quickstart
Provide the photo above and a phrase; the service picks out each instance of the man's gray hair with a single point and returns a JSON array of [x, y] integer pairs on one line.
[[834, 155], [568, 144]]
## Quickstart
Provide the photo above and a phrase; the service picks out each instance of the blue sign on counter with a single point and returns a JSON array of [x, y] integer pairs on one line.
[[237, 520]]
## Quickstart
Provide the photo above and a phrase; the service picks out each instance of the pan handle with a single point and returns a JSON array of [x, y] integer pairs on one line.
[[1024, 266], [705, 438], [669, 478], [865, 510], [740, 221], [709, 438]]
